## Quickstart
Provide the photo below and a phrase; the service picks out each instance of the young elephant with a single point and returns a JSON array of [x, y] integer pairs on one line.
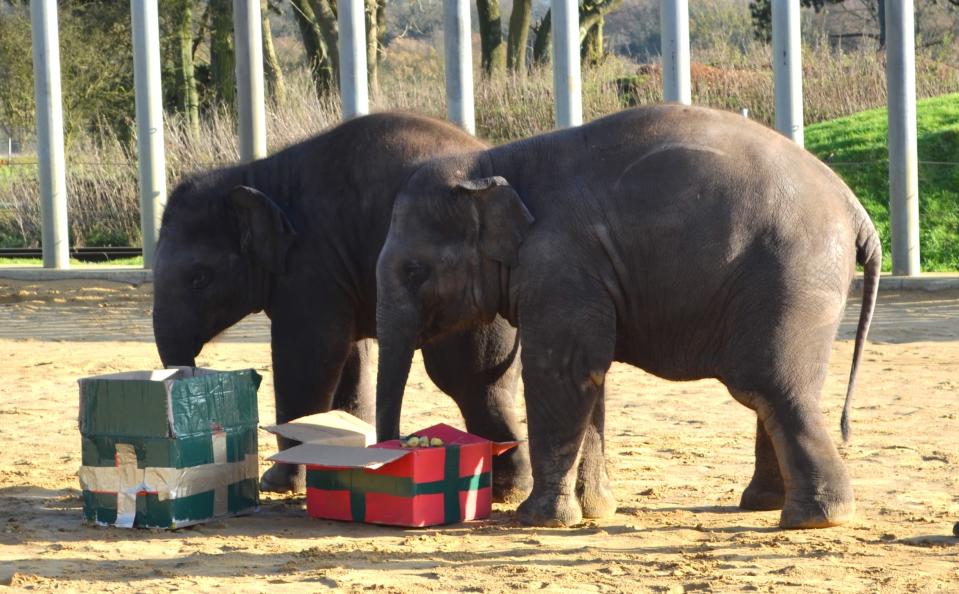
[[297, 235], [688, 242]]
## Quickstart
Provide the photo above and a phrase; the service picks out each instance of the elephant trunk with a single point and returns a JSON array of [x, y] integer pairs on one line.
[[397, 331], [175, 348]]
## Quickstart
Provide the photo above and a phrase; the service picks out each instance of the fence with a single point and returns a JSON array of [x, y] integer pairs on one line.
[[674, 20]]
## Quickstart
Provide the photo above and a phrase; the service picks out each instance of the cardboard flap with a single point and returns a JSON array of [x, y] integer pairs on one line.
[[503, 446], [335, 427], [338, 456]]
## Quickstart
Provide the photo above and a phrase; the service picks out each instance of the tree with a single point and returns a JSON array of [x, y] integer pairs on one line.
[[519, 22], [271, 64], [491, 37], [186, 94], [222, 61], [324, 73], [762, 15], [592, 16]]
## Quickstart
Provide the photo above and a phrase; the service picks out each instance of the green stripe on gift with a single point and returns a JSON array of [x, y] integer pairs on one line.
[[360, 483], [171, 513]]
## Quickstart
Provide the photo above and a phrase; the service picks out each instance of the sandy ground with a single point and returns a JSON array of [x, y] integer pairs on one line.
[[679, 455]]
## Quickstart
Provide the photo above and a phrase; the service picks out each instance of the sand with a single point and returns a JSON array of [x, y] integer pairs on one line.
[[679, 456]]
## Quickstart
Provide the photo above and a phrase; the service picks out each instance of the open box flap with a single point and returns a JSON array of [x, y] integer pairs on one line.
[[335, 427], [503, 446], [315, 454]]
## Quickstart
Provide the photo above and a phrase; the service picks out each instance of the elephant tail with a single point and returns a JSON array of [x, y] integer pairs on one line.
[[869, 256]]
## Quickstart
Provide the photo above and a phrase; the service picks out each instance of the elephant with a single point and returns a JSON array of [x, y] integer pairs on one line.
[[688, 242], [297, 235]]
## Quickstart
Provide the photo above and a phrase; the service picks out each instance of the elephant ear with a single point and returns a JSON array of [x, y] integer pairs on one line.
[[504, 220], [263, 230]]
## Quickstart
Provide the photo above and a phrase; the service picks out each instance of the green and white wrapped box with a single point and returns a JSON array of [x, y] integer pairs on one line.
[[169, 448]]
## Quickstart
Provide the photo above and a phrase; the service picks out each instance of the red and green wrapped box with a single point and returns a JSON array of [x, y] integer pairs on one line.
[[170, 448], [389, 484]]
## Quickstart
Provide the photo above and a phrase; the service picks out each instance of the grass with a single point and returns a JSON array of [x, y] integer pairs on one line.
[[855, 146]]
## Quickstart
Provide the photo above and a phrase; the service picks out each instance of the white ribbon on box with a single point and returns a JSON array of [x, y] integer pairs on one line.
[[127, 481]]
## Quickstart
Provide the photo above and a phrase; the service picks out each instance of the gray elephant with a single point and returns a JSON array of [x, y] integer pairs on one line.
[[297, 235], [689, 242]]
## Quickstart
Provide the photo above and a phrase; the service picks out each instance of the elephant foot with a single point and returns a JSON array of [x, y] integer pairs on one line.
[[284, 478], [597, 501], [553, 512], [512, 477], [822, 511], [758, 497], [512, 489]]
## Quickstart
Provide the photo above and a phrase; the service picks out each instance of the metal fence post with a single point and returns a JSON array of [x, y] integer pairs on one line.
[[149, 114], [352, 46], [248, 43], [903, 169], [567, 78], [674, 27], [458, 45], [787, 69], [54, 237]]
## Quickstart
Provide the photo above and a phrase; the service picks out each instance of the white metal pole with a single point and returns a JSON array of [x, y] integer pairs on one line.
[[352, 46], [567, 79], [787, 69], [674, 28], [54, 236], [458, 44], [149, 114], [248, 41], [903, 171]]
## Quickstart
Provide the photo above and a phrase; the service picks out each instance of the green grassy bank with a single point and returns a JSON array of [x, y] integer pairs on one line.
[[855, 147]]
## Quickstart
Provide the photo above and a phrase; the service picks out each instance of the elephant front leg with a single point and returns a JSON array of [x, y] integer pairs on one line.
[[479, 369], [356, 390], [563, 372], [592, 484], [766, 490], [305, 374]]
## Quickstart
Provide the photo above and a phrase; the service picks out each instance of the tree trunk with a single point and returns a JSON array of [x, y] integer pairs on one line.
[[591, 16], [491, 36], [221, 51], [591, 49], [882, 22], [325, 11], [323, 75], [271, 64], [542, 42], [381, 28], [519, 22], [185, 79], [372, 60]]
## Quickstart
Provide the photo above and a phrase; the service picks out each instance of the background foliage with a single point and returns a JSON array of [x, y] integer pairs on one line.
[[843, 70]]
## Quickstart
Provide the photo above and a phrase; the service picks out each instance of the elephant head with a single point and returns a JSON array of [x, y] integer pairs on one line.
[[440, 270], [216, 257]]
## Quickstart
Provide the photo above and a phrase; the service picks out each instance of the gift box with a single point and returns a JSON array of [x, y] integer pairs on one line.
[[169, 448], [387, 483]]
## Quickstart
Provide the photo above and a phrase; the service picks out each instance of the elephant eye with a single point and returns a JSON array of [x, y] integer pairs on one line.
[[200, 279], [416, 273]]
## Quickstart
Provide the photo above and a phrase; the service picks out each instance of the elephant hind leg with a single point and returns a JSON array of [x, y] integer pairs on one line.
[[766, 490], [817, 489]]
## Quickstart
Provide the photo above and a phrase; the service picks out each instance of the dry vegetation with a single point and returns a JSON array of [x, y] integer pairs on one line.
[[102, 192]]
